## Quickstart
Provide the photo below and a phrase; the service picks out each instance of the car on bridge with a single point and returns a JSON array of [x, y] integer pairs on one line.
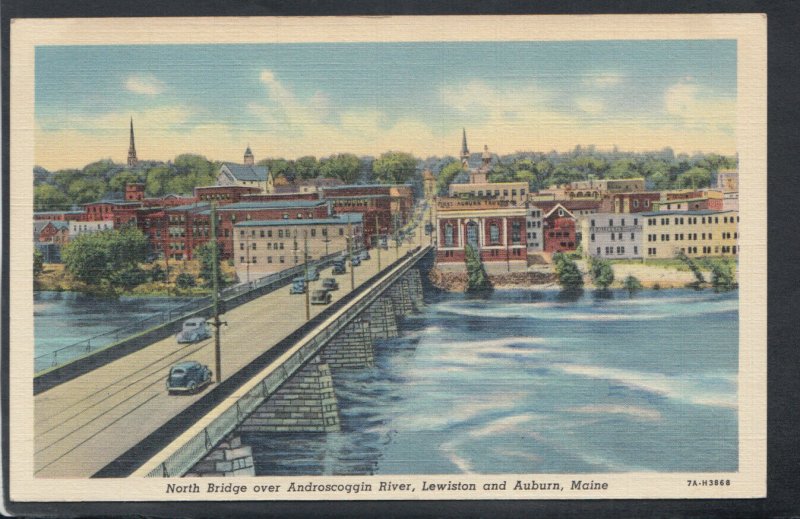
[[299, 286], [330, 284], [188, 377], [339, 267], [321, 297], [355, 261], [313, 274], [363, 255], [194, 329]]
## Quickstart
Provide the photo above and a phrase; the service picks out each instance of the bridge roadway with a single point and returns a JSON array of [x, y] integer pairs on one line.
[[84, 424]]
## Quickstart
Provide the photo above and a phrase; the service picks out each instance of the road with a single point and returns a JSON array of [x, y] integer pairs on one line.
[[84, 424]]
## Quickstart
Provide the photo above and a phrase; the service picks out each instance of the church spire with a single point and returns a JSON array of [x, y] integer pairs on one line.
[[464, 149], [132, 160]]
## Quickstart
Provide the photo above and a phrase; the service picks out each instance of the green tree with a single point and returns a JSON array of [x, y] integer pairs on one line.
[[85, 190], [96, 257], [49, 198], [477, 279], [206, 255], [185, 280], [395, 167], [698, 275], [601, 271], [279, 168], [345, 166], [722, 274], [623, 168], [306, 167], [38, 262], [694, 178], [120, 180], [446, 176], [632, 284], [567, 271]]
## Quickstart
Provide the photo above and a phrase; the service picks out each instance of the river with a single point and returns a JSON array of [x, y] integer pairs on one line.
[[527, 381], [65, 318]]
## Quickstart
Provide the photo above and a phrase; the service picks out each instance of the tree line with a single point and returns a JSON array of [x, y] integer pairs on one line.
[[62, 189]]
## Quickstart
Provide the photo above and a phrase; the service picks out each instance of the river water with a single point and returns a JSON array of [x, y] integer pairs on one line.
[[528, 381], [64, 318]]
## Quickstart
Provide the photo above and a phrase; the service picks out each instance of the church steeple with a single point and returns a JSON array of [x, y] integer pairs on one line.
[[464, 149], [132, 160], [249, 160]]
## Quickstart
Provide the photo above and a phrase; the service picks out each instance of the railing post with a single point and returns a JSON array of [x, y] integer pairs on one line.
[[164, 469]]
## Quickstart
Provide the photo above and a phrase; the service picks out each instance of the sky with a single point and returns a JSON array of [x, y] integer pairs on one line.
[[290, 100]]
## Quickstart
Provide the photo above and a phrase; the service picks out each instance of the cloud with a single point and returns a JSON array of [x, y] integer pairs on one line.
[[603, 79], [698, 106], [146, 84]]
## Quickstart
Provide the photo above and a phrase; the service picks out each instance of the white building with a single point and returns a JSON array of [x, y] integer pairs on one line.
[[533, 228], [77, 227], [612, 235]]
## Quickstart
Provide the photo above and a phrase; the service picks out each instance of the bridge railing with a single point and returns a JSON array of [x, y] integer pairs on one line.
[[85, 347], [191, 452]]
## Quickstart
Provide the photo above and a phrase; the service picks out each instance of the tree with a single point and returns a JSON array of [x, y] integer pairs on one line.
[[694, 178], [345, 166], [49, 198], [97, 257], [448, 173], [477, 279], [120, 180], [632, 284], [602, 273], [306, 167], [698, 275], [38, 262], [185, 280], [395, 167], [206, 255], [567, 272], [722, 274]]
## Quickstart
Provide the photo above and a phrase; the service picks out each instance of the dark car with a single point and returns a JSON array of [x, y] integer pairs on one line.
[[364, 255], [188, 377], [355, 261], [330, 284], [339, 268], [320, 297], [298, 286]]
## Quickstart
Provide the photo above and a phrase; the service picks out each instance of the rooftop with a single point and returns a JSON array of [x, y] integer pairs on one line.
[[247, 173], [689, 213], [340, 219]]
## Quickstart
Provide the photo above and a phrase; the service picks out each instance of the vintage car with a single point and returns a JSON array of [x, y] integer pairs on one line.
[[355, 261], [364, 255], [313, 274], [330, 284], [194, 329], [298, 286], [320, 297], [188, 377], [339, 267]]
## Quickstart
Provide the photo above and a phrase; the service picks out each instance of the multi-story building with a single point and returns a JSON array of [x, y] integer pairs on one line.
[[630, 202], [597, 189], [612, 235], [428, 185], [688, 200], [494, 228], [727, 180], [78, 227], [559, 228], [533, 228], [247, 174], [695, 233], [265, 246]]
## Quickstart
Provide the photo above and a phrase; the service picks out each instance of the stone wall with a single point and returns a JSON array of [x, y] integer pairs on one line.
[[304, 403], [229, 458]]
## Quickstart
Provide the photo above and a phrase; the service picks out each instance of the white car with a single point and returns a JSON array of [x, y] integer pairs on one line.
[[194, 329]]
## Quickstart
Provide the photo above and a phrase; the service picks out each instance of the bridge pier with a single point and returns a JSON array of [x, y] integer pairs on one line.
[[304, 403], [350, 348], [229, 458]]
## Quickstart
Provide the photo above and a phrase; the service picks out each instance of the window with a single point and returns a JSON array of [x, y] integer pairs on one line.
[[241, 245], [592, 237], [313, 232], [494, 233], [341, 231], [241, 233], [592, 223], [281, 245], [635, 203], [254, 259], [610, 222], [635, 222], [262, 233], [269, 259], [253, 246], [635, 250], [515, 232], [448, 235], [269, 234], [598, 251], [282, 260], [241, 259], [299, 216], [285, 217]]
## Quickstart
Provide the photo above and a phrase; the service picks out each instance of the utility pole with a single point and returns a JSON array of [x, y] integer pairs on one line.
[[396, 238], [350, 255], [308, 281], [327, 240], [378, 241], [215, 296]]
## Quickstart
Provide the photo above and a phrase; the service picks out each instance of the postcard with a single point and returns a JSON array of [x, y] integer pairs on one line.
[[390, 258]]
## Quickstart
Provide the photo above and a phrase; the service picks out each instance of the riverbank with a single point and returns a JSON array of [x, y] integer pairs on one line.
[[658, 276], [54, 278]]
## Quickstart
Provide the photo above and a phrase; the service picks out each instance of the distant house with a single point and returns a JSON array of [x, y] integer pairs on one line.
[[247, 174], [51, 231]]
